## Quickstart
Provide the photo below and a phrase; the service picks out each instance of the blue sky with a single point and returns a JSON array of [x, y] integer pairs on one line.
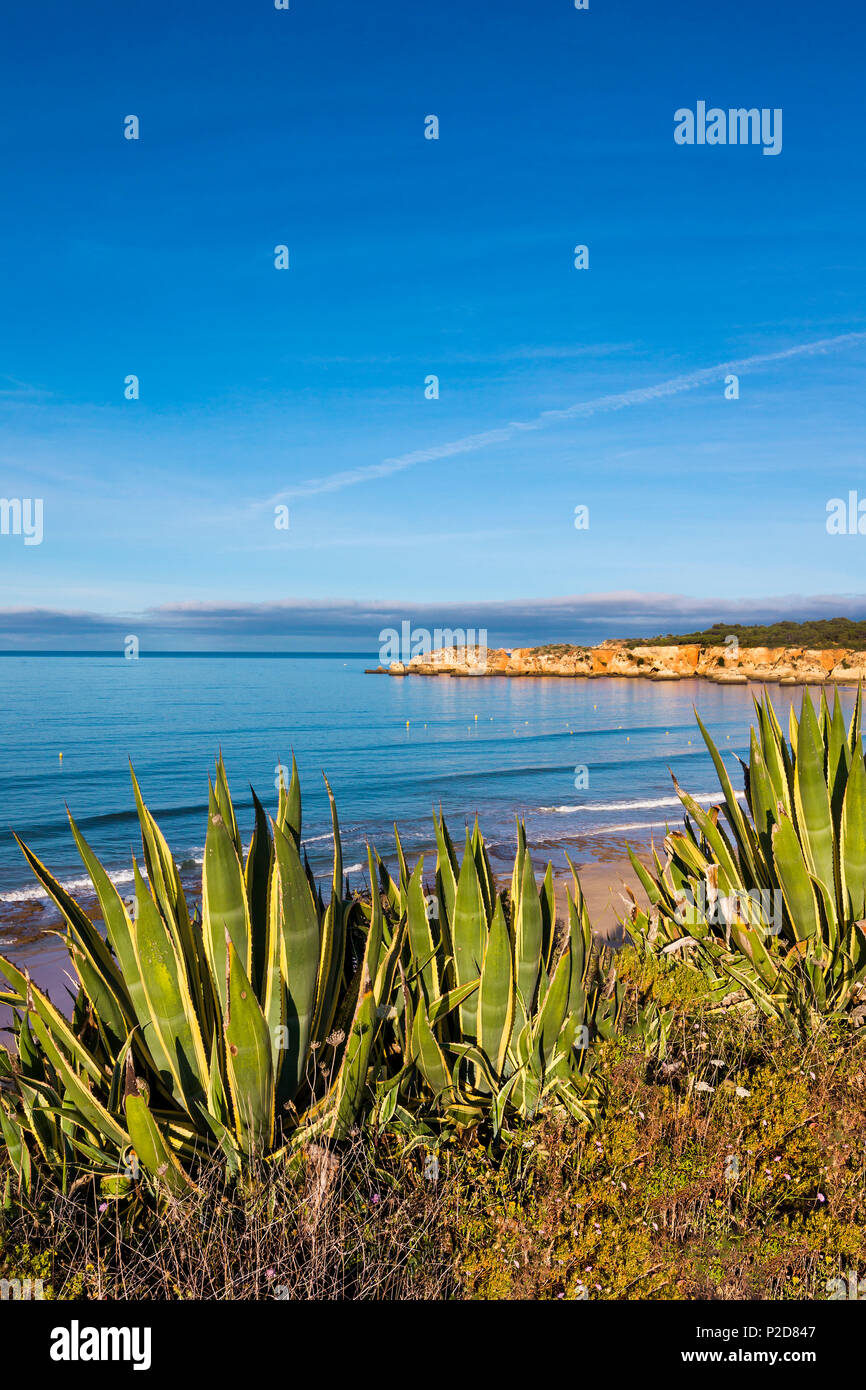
[[411, 257]]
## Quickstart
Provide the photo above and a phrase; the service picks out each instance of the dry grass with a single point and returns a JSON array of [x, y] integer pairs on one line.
[[333, 1227]]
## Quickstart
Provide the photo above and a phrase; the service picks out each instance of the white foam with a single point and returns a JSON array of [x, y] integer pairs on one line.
[[610, 806], [72, 885]]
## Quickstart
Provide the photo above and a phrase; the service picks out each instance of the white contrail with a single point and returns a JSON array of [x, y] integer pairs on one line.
[[334, 482]]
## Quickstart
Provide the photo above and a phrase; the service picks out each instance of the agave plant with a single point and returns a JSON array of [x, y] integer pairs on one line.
[[244, 1028], [495, 1013], [772, 907]]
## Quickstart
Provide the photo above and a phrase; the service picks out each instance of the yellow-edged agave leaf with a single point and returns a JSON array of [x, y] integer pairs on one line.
[[351, 1084], [775, 753], [852, 845], [547, 899], [173, 1028], [645, 879], [333, 940], [289, 810], [838, 755], [750, 942], [103, 981], [469, 934], [528, 939], [224, 906], [115, 1011], [401, 860], [257, 875], [118, 926], [272, 992], [555, 1008], [812, 799], [151, 1148], [352, 1077], [446, 871], [743, 832], [16, 1148], [33, 997], [484, 871], [714, 837], [375, 932], [296, 914], [854, 734], [224, 802], [249, 1062], [793, 875], [421, 941], [496, 993], [762, 797], [78, 1092], [217, 1101], [448, 1001], [165, 881], [428, 1055]]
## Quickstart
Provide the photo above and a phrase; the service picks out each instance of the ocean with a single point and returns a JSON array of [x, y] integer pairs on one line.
[[585, 762]]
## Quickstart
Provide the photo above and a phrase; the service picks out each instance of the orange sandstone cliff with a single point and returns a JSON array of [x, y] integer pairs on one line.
[[783, 665]]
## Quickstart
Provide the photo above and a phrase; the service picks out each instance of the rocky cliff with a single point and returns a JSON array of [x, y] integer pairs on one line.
[[783, 665]]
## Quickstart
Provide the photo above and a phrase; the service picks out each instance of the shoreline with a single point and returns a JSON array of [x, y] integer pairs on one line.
[[719, 665]]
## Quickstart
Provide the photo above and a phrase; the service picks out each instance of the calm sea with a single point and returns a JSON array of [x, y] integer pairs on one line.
[[586, 762]]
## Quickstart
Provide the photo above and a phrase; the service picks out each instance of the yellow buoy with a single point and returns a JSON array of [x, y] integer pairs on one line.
[[407, 723], [476, 719], [60, 756]]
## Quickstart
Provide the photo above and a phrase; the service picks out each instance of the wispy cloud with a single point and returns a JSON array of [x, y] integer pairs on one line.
[[581, 410]]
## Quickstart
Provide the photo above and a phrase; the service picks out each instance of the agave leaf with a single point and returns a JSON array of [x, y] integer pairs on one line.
[[528, 939], [66, 1039], [484, 870], [421, 941], [100, 974], [248, 1061], [118, 927], [16, 1148], [547, 899], [555, 1009], [333, 940], [496, 993], [225, 805], [151, 1148], [289, 810], [793, 875], [173, 1030], [812, 800], [351, 1082], [743, 832], [298, 918], [443, 1006], [446, 868], [166, 885], [257, 876], [469, 934], [852, 845], [428, 1055], [77, 1091], [225, 907]]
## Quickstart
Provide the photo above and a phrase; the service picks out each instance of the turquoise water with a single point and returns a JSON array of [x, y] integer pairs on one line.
[[498, 747]]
